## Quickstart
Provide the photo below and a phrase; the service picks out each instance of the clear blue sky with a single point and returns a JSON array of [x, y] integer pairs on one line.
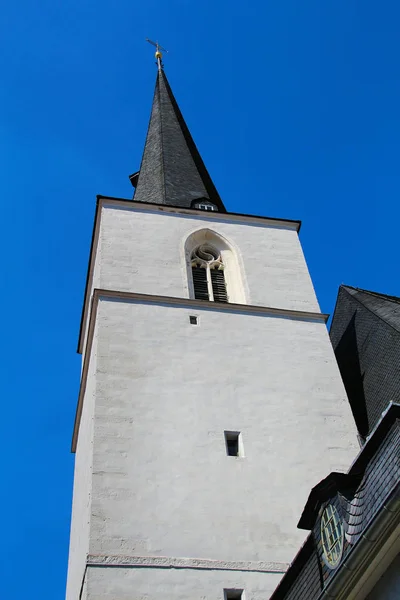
[[294, 106]]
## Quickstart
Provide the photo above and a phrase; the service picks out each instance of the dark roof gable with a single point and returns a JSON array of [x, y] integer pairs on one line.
[[383, 306], [365, 334], [325, 490]]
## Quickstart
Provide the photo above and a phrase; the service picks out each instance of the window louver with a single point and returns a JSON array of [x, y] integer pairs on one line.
[[200, 283], [218, 285]]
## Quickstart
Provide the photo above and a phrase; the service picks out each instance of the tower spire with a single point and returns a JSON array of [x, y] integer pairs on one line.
[[172, 171]]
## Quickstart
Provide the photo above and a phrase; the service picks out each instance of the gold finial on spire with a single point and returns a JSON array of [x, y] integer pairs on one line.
[[158, 53]]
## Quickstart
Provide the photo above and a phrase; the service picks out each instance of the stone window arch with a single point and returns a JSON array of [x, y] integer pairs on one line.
[[213, 268]]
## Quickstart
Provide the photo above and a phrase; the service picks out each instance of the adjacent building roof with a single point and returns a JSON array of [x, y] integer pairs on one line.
[[172, 171], [367, 500], [365, 335], [383, 306]]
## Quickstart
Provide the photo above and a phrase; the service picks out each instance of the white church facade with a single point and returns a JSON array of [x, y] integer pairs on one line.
[[210, 398]]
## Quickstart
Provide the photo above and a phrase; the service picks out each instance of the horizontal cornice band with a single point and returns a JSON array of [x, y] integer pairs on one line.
[[214, 216], [210, 305], [165, 562]]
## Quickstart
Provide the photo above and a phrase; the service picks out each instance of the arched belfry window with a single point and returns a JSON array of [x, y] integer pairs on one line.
[[213, 268], [208, 274]]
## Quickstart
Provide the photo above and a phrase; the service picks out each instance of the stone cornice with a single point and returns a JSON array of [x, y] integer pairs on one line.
[[166, 562], [175, 302], [201, 214], [211, 305]]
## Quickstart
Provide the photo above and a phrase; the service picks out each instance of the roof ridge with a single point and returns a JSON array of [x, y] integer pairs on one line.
[[372, 293], [397, 329], [193, 150], [158, 92]]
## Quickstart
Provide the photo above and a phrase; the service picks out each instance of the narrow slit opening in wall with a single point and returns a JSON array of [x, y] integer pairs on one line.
[[233, 443], [233, 594], [193, 320]]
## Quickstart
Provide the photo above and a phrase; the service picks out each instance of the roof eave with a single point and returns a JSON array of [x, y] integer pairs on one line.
[[327, 488]]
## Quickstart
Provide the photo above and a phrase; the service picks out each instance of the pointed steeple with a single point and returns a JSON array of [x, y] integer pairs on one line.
[[172, 171]]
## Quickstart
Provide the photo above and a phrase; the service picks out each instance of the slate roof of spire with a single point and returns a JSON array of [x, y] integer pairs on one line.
[[172, 171]]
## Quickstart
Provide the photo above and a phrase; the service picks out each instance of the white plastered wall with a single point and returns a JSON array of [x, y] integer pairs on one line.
[[81, 506], [176, 584], [166, 391], [144, 252], [162, 482]]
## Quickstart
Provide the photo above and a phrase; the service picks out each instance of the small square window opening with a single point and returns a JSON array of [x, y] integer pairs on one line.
[[193, 320], [233, 442], [233, 594]]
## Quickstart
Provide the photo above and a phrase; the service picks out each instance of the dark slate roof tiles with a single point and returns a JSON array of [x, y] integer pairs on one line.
[[385, 307], [366, 339], [172, 171]]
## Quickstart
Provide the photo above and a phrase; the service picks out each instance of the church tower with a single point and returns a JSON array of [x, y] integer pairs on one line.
[[210, 399]]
